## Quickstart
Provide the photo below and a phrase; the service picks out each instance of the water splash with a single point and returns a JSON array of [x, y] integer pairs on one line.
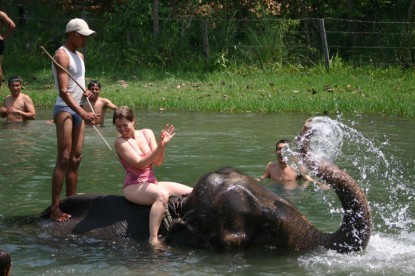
[[390, 253], [389, 189], [330, 137], [336, 142], [364, 159]]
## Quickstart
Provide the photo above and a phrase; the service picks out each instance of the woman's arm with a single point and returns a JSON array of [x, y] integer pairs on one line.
[[157, 150], [131, 156], [165, 136]]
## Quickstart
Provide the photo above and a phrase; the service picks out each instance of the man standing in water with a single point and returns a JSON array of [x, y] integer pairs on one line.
[[68, 114], [17, 107], [8, 24], [98, 103], [280, 170]]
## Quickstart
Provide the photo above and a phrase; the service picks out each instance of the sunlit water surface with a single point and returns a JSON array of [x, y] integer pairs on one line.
[[377, 152]]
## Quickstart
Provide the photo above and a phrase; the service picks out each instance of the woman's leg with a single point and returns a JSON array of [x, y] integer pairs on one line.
[[175, 188], [150, 194], [156, 216]]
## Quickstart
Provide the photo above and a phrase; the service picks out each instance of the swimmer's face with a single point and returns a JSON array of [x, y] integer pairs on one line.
[[280, 150], [15, 87], [95, 92], [95, 89]]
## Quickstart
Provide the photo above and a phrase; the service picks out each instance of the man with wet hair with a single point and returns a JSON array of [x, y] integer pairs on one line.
[[17, 107], [280, 170], [98, 103]]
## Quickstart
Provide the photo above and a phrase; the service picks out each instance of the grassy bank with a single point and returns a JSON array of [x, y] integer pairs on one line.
[[343, 90]]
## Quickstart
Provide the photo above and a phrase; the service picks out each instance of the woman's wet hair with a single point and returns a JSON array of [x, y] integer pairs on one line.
[[123, 112], [5, 263]]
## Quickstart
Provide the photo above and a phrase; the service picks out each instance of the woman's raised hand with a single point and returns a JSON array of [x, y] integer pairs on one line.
[[166, 134]]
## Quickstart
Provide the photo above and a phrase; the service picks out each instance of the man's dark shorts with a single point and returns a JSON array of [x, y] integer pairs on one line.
[[1, 47], [77, 120]]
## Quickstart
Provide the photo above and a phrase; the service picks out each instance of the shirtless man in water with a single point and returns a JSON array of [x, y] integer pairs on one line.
[[17, 107], [279, 170], [98, 103]]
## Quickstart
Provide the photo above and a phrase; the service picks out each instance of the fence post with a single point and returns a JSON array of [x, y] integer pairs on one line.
[[156, 27], [205, 38], [325, 46], [84, 17]]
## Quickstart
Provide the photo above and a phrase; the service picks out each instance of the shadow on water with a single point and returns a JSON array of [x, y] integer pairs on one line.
[[376, 152]]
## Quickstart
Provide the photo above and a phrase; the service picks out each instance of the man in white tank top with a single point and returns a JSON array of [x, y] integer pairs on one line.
[[68, 114]]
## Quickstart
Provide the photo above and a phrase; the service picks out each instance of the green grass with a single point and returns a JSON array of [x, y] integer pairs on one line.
[[343, 90]]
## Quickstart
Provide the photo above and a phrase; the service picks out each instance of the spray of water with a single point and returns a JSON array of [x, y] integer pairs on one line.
[[365, 161]]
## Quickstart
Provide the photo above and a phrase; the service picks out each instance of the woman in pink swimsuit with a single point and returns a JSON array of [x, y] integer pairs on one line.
[[138, 151]]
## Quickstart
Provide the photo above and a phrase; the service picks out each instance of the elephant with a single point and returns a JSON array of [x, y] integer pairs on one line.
[[227, 210]]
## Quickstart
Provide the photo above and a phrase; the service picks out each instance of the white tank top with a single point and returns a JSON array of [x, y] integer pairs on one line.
[[77, 70]]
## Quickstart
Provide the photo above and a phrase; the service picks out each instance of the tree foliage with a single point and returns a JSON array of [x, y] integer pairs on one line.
[[371, 10]]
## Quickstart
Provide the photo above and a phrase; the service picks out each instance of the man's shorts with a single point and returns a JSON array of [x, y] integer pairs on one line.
[[77, 120], [1, 47]]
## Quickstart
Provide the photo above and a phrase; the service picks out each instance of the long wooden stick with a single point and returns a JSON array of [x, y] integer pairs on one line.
[[80, 86]]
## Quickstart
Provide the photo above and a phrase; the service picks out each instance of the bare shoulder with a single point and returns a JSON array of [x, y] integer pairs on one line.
[[3, 16], [120, 145], [99, 101], [6, 100], [104, 100], [272, 164], [270, 167], [119, 141], [61, 57], [147, 131], [26, 97], [107, 103], [60, 52]]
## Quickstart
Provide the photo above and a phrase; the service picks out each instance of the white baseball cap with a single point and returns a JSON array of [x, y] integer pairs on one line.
[[80, 26]]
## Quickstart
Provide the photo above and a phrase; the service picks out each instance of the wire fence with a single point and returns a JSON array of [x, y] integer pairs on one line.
[[262, 41]]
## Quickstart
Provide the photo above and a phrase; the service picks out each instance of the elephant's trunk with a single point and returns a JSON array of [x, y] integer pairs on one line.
[[354, 232]]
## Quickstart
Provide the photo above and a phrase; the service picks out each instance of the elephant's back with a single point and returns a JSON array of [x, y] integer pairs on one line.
[[104, 216], [113, 215]]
